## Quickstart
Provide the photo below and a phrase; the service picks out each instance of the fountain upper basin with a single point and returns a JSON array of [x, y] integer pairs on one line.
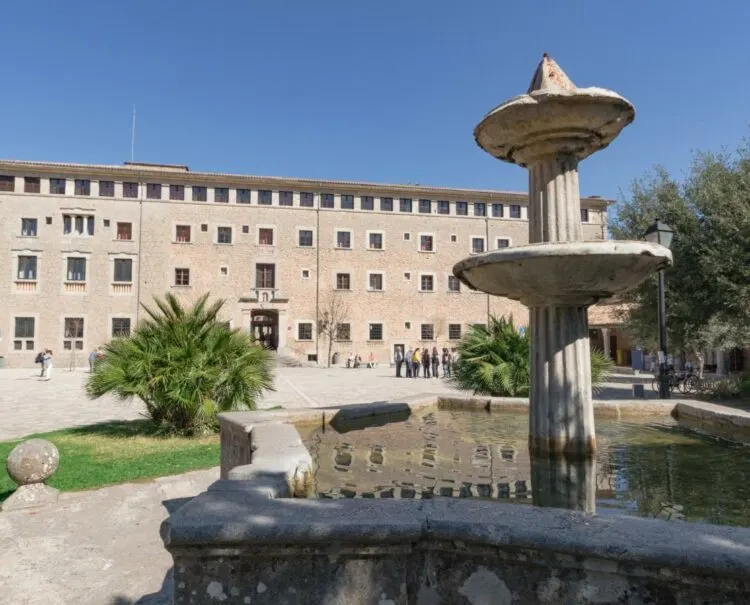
[[570, 273]]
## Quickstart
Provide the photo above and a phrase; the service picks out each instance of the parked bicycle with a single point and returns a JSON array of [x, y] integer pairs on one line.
[[681, 381]]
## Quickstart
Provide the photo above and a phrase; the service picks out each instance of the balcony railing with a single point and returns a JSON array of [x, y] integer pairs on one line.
[[120, 288], [76, 287], [25, 285]]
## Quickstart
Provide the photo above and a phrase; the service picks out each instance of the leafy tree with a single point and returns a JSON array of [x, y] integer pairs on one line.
[[185, 365], [495, 360]]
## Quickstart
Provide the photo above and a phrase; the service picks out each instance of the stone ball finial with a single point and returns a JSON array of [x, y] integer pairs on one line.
[[33, 461]]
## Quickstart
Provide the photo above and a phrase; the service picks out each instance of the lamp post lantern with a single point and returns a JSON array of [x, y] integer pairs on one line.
[[661, 233]]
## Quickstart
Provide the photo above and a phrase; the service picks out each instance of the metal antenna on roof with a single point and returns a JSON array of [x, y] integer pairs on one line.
[[132, 138]]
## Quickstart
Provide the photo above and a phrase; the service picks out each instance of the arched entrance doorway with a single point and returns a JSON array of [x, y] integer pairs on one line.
[[264, 324]]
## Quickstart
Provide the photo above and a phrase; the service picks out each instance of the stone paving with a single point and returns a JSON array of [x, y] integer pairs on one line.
[[31, 405]]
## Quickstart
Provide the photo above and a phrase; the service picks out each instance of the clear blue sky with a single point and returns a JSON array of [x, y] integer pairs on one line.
[[382, 91]]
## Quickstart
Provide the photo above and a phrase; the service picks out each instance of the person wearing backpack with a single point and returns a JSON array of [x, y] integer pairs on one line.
[[399, 359], [40, 360]]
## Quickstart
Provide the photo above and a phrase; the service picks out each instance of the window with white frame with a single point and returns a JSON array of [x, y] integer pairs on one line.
[[27, 267], [177, 192], [24, 333], [343, 239], [462, 208], [123, 270], [73, 333], [306, 199], [375, 282], [343, 281], [375, 240], [514, 210], [367, 202], [375, 331], [425, 206], [124, 231], [326, 200], [120, 327], [223, 235], [503, 242], [343, 332], [182, 276], [29, 227], [347, 201], [480, 209], [454, 284], [76, 269], [305, 238], [444, 207], [265, 197], [477, 245], [221, 195], [497, 210], [305, 330], [182, 234], [243, 196], [286, 198], [78, 224], [427, 332], [427, 283], [426, 242], [265, 236], [265, 275], [454, 331], [386, 204], [584, 215]]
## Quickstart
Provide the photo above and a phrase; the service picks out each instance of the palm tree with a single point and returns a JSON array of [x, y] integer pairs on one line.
[[185, 365], [495, 360]]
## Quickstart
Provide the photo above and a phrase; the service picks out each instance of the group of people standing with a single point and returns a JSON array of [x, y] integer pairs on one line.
[[44, 359], [430, 362]]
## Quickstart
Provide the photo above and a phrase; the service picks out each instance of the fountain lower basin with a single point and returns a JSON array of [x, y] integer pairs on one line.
[[571, 273]]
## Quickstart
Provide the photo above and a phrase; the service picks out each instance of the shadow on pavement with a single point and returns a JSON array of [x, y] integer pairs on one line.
[[163, 597]]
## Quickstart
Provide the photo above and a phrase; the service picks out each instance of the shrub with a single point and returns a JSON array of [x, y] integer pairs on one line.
[[495, 360], [185, 365]]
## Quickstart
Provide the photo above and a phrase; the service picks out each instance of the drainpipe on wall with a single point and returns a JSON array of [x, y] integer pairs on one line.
[[317, 279], [487, 239], [140, 247]]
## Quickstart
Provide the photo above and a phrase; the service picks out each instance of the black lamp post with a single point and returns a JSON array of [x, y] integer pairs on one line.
[[661, 233]]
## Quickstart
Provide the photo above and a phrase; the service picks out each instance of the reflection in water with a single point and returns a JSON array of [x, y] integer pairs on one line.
[[645, 469]]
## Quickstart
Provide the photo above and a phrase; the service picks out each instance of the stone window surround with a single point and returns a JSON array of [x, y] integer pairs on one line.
[[471, 243], [338, 230], [216, 241], [67, 254], [173, 277], [427, 274], [176, 224], [336, 335], [274, 235], [132, 256], [336, 273], [297, 230], [460, 331], [12, 332], [508, 239], [421, 334], [383, 334], [119, 316], [35, 223], [419, 242], [382, 279], [367, 239], [114, 227], [15, 253], [312, 330], [56, 353], [302, 273], [448, 284]]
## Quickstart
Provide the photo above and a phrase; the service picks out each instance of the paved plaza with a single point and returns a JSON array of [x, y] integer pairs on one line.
[[31, 405]]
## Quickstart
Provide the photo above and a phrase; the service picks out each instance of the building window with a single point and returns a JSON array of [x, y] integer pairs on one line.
[[407, 275], [223, 235], [503, 242], [462, 208], [305, 238], [200, 194], [120, 327], [404, 204], [24, 333], [177, 192], [243, 196], [264, 197], [326, 200], [497, 210], [454, 284], [32, 184], [407, 325], [305, 273], [28, 227], [7, 183], [343, 332], [73, 333], [427, 332], [265, 275], [386, 204], [375, 282], [245, 228], [427, 283], [454, 331], [125, 231], [407, 236], [515, 211], [286, 198], [27, 267], [480, 209], [304, 330], [153, 191], [82, 187], [182, 277], [477, 245], [106, 222], [182, 234], [367, 202], [130, 190], [343, 281], [106, 188], [375, 240], [347, 202], [344, 239], [76, 269], [444, 207], [204, 227], [221, 195], [425, 206], [78, 225], [426, 243], [375, 332], [306, 199], [454, 237], [57, 186], [224, 270], [123, 270], [584, 215], [265, 236]]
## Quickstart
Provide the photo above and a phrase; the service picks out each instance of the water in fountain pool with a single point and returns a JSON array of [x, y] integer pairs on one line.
[[649, 469]]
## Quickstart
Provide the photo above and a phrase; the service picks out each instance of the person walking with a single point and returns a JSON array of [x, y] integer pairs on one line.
[[92, 360], [435, 359], [407, 361], [446, 363], [398, 358], [47, 364], [40, 360], [426, 362], [416, 361]]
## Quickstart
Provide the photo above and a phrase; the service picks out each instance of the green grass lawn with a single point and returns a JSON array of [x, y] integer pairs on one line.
[[117, 452]]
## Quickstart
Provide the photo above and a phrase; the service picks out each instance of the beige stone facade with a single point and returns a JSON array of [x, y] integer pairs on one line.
[[85, 244]]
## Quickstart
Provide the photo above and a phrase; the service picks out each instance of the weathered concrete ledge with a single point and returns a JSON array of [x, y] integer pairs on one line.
[[715, 420], [229, 542]]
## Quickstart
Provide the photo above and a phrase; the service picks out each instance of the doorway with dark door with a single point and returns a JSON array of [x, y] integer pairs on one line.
[[264, 325]]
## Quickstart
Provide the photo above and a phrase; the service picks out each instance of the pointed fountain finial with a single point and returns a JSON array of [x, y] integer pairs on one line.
[[549, 76]]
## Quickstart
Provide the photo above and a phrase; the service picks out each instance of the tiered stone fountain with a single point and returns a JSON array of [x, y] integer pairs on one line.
[[549, 130]]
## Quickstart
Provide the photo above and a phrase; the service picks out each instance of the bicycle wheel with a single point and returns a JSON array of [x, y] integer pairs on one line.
[[689, 385]]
